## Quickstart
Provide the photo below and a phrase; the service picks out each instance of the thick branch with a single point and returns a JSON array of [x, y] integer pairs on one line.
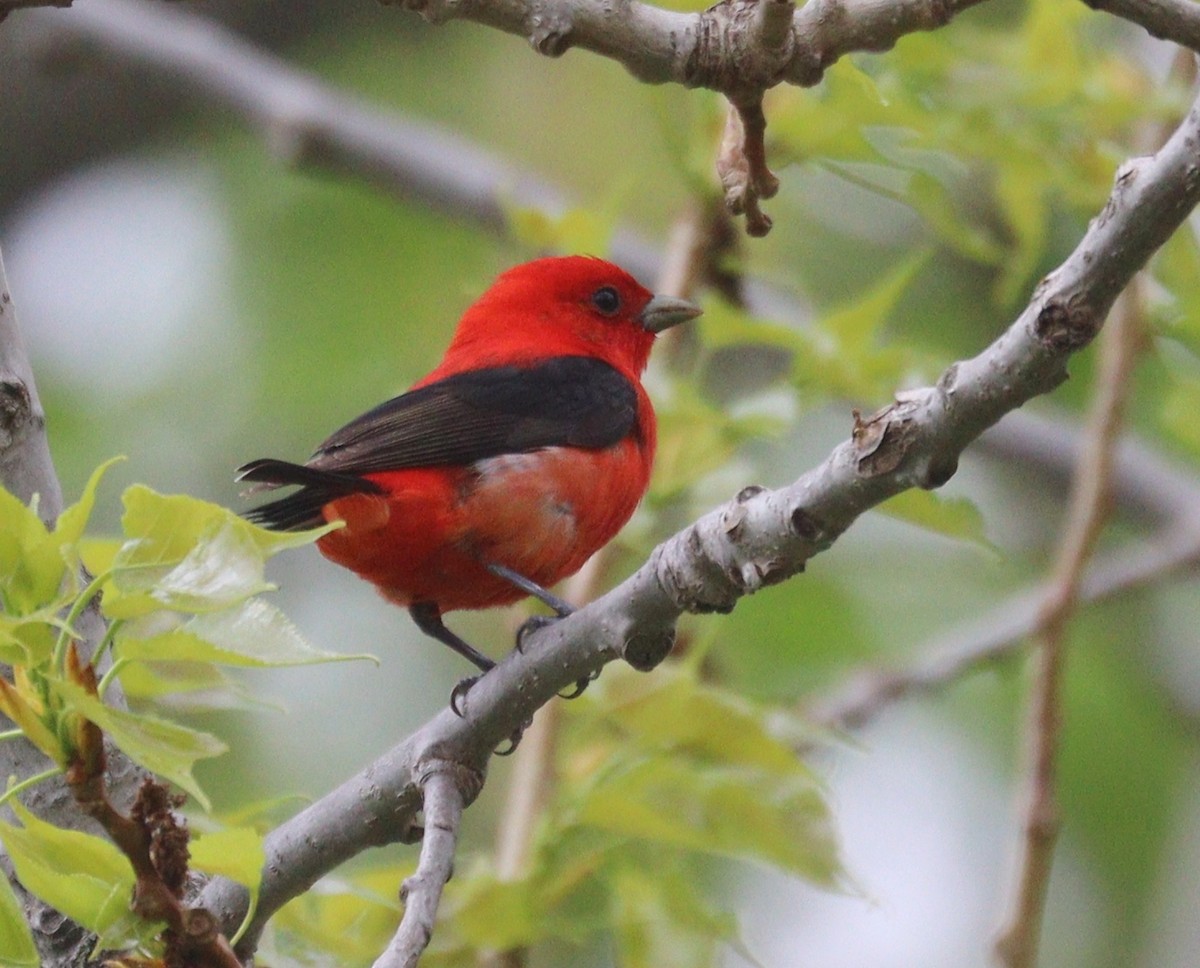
[[741, 48], [25, 465], [1174, 20]]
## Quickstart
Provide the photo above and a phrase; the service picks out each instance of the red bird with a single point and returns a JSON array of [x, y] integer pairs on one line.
[[508, 466]]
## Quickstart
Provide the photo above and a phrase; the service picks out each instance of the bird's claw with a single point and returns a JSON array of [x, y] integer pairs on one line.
[[531, 625], [514, 739], [580, 686], [459, 694]]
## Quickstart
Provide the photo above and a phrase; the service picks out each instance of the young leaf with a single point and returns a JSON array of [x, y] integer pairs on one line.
[[190, 555], [29, 639], [253, 633], [25, 710], [747, 813], [953, 517], [673, 711], [664, 919], [31, 568], [236, 853], [162, 747], [16, 941], [83, 876], [72, 522]]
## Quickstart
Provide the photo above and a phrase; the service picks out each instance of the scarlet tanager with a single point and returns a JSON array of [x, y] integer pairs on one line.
[[502, 471]]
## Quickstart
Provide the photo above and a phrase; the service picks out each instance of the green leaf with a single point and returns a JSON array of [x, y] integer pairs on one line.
[[843, 355], [82, 875], [726, 325], [696, 438], [953, 517], [190, 555], [350, 918], [236, 853], [187, 684], [164, 748], [31, 568], [744, 812], [857, 323], [665, 919], [673, 711], [73, 521], [253, 633], [16, 941], [29, 639]]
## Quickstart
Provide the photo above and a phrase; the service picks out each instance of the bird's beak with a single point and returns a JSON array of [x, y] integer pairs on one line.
[[663, 312]]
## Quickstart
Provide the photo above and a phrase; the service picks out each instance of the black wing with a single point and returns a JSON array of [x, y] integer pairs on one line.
[[574, 401]]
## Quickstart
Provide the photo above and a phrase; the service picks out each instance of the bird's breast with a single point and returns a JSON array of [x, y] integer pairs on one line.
[[427, 537], [545, 513]]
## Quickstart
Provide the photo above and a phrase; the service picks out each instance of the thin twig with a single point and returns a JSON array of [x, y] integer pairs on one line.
[[422, 892], [1002, 632], [1123, 340]]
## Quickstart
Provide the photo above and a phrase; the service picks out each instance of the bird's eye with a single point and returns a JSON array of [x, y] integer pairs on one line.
[[607, 300]]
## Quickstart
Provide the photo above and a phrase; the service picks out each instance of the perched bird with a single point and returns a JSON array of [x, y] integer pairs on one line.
[[502, 471]]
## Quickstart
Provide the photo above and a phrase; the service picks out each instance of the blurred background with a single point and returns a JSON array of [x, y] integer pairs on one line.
[[191, 301]]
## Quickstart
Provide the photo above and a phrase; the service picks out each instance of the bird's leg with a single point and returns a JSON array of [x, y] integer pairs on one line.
[[561, 608], [429, 620]]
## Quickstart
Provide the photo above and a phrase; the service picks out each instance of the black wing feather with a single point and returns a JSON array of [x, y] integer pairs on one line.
[[574, 401]]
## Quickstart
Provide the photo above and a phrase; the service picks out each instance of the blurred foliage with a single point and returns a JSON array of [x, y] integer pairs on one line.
[[925, 192]]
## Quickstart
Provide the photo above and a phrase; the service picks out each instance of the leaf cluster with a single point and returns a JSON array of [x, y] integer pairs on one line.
[[179, 596]]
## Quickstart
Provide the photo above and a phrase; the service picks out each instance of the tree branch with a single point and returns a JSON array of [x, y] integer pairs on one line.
[[1018, 941], [1173, 20], [446, 787], [25, 465], [1001, 632], [740, 48]]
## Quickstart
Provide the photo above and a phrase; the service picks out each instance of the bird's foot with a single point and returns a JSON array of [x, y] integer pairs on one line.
[[580, 686], [532, 624], [537, 622], [458, 697], [458, 694], [514, 739]]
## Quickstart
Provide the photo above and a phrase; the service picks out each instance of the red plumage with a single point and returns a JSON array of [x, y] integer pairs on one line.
[[524, 451]]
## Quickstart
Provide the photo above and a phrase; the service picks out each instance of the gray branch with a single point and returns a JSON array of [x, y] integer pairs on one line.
[[446, 787], [761, 536], [1002, 631], [25, 465], [1173, 20]]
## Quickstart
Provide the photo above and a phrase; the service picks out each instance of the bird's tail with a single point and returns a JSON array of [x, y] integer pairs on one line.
[[303, 509]]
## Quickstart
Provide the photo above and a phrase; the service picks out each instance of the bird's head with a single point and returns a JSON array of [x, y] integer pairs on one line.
[[570, 305]]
